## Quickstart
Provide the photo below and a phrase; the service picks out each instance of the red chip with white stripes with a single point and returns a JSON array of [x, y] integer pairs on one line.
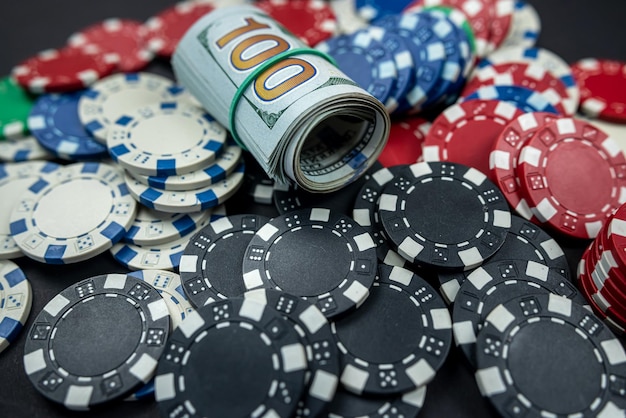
[[602, 86], [64, 70], [313, 21], [404, 145], [466, 132], [574, 175], [125, 37], [503, 158], [166, 29]]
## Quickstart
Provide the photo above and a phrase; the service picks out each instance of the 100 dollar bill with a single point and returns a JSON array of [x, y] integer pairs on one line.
[[302, 118]]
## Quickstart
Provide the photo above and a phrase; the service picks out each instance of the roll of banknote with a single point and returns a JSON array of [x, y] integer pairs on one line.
[[303, 119]]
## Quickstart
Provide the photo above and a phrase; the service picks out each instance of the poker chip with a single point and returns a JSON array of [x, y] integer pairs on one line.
[[365, 213], [166, 29], [16, 298], [501, 23], [189, 201], [289, 199], [170, 138], [15, 105], [164, 256], [224, 164], [313, 21], [316, 336], [617, 131], [152, 227], [210, 267], [427, 51], [545, 58], [525, 26], [523, 98], [169, 286], [83, 366], [79, 215], [23, 149], [498, 282], [124, 37], [602, 84], [15, 179], [110, 98], [366, 61], [503, 158], [464, 226], [525, 241], [349, 405], [549, 168], [527, 333], [479, 15], [338, 284], [465, 133], [54, 122], [206, 366], [529, 75], [405, 66], [378, 359], [406, 138], [63, 70]]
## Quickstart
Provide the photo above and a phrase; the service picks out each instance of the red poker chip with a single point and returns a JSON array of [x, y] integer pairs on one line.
[[573, 175], [466, 133], [503, 158], [479, 14], [615, 238], [313, 21], [166, 29], [608, 281], [501, 22], [64, 70], [125, 37], [603, 298], [405, 141], [602, 86], [529, 75]]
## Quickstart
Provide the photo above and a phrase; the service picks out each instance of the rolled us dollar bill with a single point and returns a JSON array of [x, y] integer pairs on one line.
[[302, 119]]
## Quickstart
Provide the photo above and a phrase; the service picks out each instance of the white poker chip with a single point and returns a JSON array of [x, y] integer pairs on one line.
[[15, 179], [108, 99], [152, 227], [216, 171], [170, 138], [82, 213], [168, 284], [525, 26], [23, 149], [16, 299], [153, 257], [187, 201]]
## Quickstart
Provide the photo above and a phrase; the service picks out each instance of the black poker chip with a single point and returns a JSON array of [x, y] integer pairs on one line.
[[291, 198], [498, 282], [349, 405], [232, 358], [322, 353], [315, 254], [398, 339], [525, 241], [546, 356], [365, 213], [210, 267], [96, 341], [444, 215]]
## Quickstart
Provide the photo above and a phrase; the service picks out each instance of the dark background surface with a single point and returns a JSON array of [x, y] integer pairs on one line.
[[573, 29]]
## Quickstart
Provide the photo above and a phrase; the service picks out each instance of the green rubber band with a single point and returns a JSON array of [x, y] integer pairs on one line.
[[254, 74]]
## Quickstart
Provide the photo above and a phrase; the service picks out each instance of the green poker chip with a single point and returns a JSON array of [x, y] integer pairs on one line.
[[15, 105]]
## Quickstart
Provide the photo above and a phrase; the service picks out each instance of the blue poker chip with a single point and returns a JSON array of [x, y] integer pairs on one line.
[[521, 97], [54, 121], [428, 54], [373, 9], [405, 66], [366, 61]]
